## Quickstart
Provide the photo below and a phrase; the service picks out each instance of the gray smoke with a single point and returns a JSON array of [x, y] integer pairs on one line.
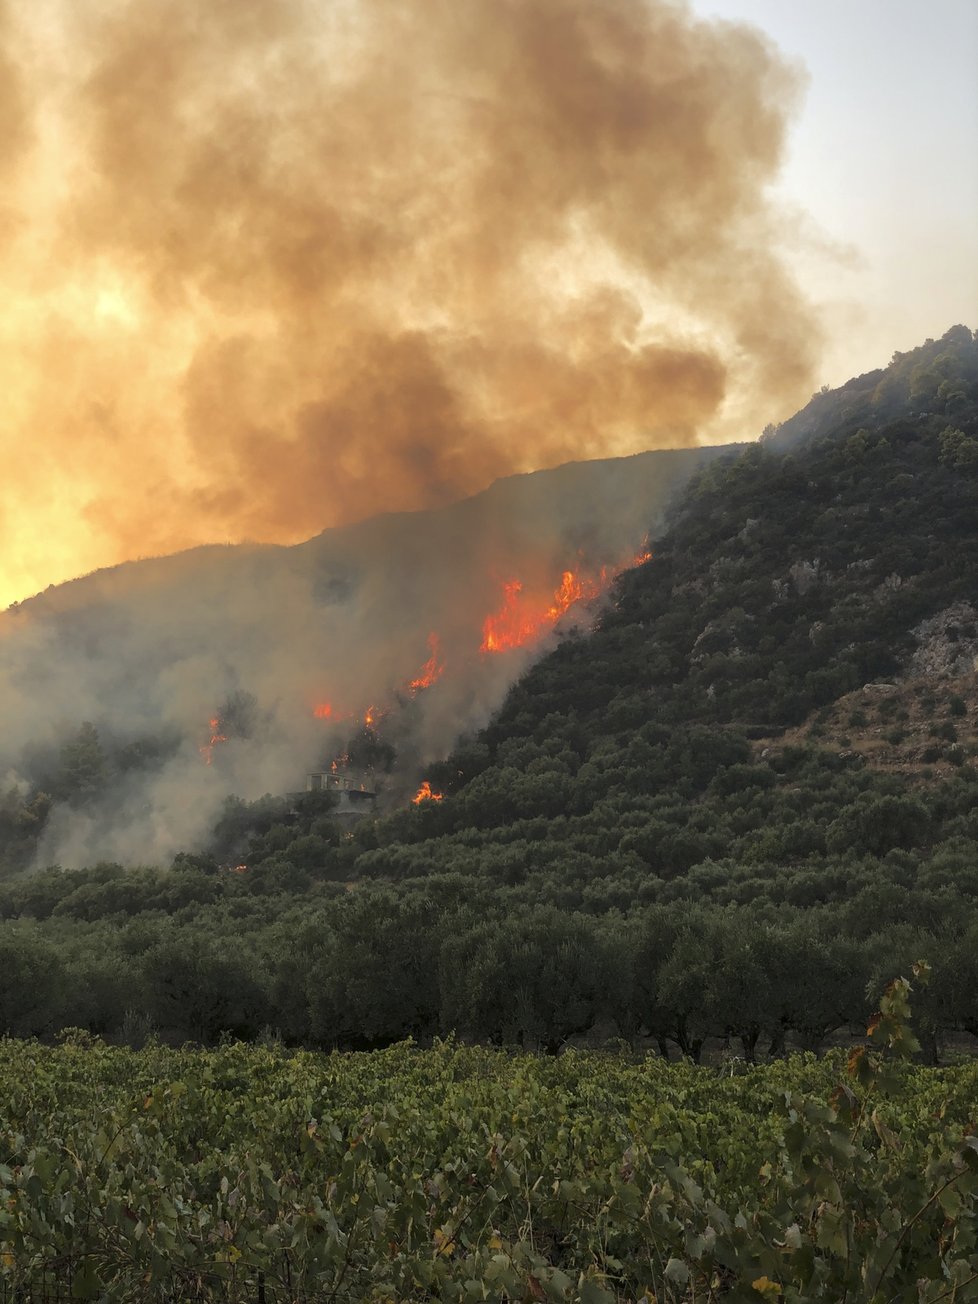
[[150, 650]]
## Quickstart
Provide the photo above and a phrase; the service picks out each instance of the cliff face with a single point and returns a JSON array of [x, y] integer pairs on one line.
[[947, 643]]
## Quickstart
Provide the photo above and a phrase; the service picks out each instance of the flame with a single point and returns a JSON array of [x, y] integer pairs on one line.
[[516, 623], [207, 749], [510, 626], [431, 671], [520, 619], [327, 711], [573, 588]]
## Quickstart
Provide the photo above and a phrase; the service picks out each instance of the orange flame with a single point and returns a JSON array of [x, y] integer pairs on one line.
[[431, 671], [207, 749], [510, 626], [572, 589], [514, 624], [327, 711], [425, 794]]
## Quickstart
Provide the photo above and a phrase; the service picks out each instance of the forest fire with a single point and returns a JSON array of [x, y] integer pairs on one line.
[[431, 671], [524, 616], [574, 589], [207, 749], [519, 621], [510, 626]]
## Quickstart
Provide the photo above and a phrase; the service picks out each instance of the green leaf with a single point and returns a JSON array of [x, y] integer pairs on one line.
[[831, 1232], [591, 1293], [84, 1282], [677, 1272]]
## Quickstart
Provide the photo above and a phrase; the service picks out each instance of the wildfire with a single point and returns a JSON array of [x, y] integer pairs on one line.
[[431, 671], [519, 620], [510, 626], [573, 589], [207, 749], [522, 617], [327, 711], [516, 623]]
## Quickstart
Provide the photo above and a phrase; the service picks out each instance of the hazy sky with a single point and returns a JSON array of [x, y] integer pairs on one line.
[[883, 158]]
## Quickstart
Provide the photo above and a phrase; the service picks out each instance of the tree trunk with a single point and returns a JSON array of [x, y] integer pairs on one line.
[[776, 1050]]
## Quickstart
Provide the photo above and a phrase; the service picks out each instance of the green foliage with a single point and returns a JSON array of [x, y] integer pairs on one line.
[[466, 1174], [632, 848], [82, 767], [31, 983], [958, 450], [638, 783]]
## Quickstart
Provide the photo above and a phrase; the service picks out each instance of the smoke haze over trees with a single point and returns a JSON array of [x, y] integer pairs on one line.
[[159, 658]]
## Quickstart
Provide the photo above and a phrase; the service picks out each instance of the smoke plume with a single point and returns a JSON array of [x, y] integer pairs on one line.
[[274, 265], [224, 671]]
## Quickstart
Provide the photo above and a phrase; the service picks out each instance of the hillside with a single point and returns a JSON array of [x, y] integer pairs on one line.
[[279, 652], [664, 832]]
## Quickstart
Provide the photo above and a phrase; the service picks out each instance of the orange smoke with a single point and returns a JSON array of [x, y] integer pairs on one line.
[[425, 794], [270, 266]]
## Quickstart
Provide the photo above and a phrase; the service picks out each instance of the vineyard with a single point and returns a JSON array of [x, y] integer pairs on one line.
[[457, 1173]]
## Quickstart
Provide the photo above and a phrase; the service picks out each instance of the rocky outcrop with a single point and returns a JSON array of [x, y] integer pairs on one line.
[[947, 644]]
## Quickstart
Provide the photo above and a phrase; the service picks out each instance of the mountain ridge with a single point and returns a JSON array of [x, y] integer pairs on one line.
[[662, 834]]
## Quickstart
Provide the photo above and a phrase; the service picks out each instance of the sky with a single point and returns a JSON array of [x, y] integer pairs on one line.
[[881, 166], [269, 266]]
